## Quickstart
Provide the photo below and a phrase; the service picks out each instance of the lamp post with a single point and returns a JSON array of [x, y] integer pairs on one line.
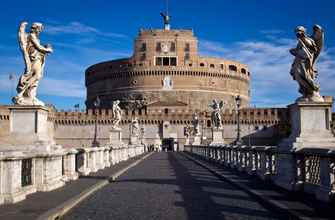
[[238, 104], [96, 104]]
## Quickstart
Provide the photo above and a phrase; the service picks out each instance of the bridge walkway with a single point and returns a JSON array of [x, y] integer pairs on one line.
[[171, 186]]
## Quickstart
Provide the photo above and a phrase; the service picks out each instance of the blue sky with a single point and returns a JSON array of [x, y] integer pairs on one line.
[[256, 32]]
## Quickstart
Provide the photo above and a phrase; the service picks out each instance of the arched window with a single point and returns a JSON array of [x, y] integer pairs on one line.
[[202, 64], [232, 68]]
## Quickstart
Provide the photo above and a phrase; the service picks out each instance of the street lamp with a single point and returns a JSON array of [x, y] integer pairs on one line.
[[96, 104], [238, 104]]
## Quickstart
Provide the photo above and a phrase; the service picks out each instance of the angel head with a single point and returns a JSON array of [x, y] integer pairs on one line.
[[37, 27], [300, 31]]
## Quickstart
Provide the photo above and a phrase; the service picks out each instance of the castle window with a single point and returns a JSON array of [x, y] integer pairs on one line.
[[143, 56], [173, 61], [202, 64], [166, 61], [187, 47], [190, 64], [159, 61], [166, 111], [209, 124], [232, 68], [143, 47], [187, 56], [158, 47], [222, 66], [243, 71], [173, 47], [212, 66]]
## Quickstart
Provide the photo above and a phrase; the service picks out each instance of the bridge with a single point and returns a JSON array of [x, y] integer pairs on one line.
[[200, 183]]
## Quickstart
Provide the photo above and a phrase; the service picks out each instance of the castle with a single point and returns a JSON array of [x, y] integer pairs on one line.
[[163, 84]]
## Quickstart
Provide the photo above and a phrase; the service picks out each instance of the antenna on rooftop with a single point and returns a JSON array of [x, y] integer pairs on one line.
[[166, 17]]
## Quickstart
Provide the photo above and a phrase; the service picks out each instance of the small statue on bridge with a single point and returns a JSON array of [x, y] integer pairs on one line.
[[117, 113], [303, 68], [135, 128], [34, 55], [216, 114], [196, 124]]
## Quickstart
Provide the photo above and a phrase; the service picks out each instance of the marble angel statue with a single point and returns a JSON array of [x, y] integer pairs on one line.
[[135, 128], [216, 114], [196, 124], [117, 112], [34, 55], [303, 69]]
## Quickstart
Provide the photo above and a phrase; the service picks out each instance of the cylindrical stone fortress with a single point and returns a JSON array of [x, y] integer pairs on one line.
[[166, 68]]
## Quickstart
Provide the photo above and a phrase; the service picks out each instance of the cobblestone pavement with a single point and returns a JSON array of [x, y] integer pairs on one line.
[[170, 186]]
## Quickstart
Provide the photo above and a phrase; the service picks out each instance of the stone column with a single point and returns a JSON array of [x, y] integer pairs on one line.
[[92, 162], [83, 161], [12, 190], [48, 171], [106, 157], [69, 161]]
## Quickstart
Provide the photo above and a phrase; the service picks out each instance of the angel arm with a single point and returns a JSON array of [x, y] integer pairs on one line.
[[38, 46]]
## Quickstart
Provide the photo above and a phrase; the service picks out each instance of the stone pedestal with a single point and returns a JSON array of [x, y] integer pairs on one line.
[[217, 137], [115, 136], [197, 140], [310, 124], [134, 140], [310, 128], [29, 125]]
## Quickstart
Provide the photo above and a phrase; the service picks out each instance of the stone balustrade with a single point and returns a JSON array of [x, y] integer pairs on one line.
[[23, 173], [314, 168]]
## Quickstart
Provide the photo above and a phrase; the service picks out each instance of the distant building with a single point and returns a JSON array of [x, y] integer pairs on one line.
[[166, 68]]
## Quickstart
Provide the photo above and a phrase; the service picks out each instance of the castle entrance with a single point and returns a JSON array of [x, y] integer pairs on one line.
[[167, 144]]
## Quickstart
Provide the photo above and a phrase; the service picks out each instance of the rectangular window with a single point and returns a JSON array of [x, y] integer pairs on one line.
[[159, 61], [158, 47], [143, 56], [187, 47], [187, 56], [173, 61], [173, 47], [143, 47], [166, 61]]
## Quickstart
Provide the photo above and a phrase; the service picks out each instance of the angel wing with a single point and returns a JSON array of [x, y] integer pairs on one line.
[[318, 37], [23, 41], [221, 105]]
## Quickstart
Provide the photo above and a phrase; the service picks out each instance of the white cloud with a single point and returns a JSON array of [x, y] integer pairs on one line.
[[62, 87], [76, 27], [269, 63], [49, 86]]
